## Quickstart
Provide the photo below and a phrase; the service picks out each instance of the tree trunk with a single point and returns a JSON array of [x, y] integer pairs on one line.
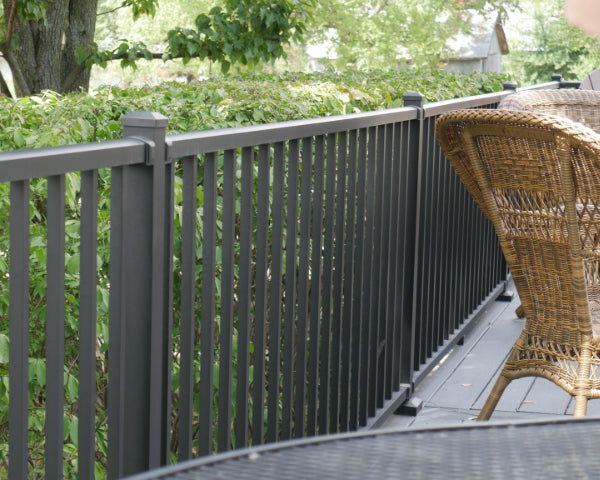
[[82, 22], [4, 90], [42, 54]]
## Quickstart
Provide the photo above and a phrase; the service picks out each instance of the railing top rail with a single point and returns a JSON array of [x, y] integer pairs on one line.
[[543, 86], [184, 144], [437, 108], [43, 162]]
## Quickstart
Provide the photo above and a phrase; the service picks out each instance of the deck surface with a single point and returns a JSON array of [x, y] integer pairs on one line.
[[456, 390]]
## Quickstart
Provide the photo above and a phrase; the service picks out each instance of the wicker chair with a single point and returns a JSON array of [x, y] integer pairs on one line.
[[591, 81], [578, 105], [581, 106], [537, 177]]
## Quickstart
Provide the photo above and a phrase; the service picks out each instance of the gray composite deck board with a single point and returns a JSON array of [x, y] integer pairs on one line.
[[456, 390], [545, 397]]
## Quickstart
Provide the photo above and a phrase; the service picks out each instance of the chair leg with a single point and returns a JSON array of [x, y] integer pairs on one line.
[[582, 386], [580, 406], [492, 400], [520, 312]]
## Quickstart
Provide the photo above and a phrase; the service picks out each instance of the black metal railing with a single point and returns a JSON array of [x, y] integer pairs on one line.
[[266, 283]]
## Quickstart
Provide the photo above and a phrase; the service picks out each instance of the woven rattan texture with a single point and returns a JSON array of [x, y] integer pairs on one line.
[[581, 106], [537, 178], [532, 451]]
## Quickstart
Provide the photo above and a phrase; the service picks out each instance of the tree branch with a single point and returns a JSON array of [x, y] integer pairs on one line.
[[380, 7], [66, 86], [20, 83], [70, 79], [11, 22], [155, 56], [110, 11]]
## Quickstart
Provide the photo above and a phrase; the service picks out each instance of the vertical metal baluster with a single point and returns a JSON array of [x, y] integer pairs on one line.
[[378, 297], [453, 278], [326, 422], [395, 243], [116, 327], [448, 284], [360, 340], [368, 311], [243, 343], [432, 227], [303, 274], [464, 251], [349, 365], [315, 287], [55, 327], [386, 275], [445, 280], [227, 298], [260, 317], [337, 404], [87, 324], [440, 313], [472, 258], [208, 304], [404, 259], [188, 304], [290, 291], [168, 313], [414, 220], [274, 373], [18, 367]]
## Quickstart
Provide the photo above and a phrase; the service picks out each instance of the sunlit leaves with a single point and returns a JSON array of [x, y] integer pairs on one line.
[[53, 119], [546, 44], [384, 34], [141, 7], [32, 10], [244, 32]]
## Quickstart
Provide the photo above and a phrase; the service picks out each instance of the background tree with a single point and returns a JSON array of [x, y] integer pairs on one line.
[[542, 43], [386, 33], [50, 45]]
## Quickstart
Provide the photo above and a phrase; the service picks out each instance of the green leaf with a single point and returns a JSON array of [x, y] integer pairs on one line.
[[81, 54], [19, 139], [71, 386], [37, 372], [4, 348], [70, 428], [72, 264]]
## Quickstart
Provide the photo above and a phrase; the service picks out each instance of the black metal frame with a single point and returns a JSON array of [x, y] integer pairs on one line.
[[354, 259]]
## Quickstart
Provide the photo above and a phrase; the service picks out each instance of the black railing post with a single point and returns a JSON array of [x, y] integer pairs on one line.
[[562, 83], [139, 329], [415, 150], [510, 86]]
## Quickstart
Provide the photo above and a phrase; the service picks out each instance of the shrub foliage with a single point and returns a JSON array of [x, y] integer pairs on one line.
[[52, 119]]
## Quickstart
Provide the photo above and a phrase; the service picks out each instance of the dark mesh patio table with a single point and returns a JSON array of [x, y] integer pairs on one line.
[[563, 449]]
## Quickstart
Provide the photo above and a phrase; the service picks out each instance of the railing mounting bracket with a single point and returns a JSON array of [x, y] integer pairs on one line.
[[410, 407]]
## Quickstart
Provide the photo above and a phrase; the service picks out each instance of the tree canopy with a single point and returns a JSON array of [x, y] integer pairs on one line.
[[50, 45], [384, 33], [53, 45], [546, 44]]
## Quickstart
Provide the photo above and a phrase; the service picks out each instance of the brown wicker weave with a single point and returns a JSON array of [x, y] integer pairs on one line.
[[581, 106], [577, 105], [537, 177]]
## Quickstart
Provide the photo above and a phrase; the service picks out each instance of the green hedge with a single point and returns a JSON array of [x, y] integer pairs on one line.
[[52, 119]]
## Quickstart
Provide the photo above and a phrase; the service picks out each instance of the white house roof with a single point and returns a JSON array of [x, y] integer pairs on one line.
[[477, 43]]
